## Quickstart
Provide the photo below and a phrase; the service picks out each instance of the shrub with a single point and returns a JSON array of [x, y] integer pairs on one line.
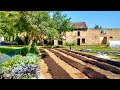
[[19, 60], [33, 48], [70, 43], [25, 50], [19, 41]]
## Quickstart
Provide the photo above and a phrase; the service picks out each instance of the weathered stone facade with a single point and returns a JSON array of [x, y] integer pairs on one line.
[[91, 36]]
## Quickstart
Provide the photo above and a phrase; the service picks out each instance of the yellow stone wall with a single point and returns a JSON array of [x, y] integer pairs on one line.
[[92, 36]]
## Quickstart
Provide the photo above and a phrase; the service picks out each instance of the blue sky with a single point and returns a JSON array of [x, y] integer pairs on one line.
[[106, 19]]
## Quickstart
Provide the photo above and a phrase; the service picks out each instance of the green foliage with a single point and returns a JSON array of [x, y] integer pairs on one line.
[[97, 27], [62, 23], [6, 49], [7, 22], [36, 24], [48, 46], [18, 60], [25, 50], [70, 43], [19, 41], [33, 48]]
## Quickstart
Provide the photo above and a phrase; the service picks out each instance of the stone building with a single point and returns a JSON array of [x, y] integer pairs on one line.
[[82, 35]]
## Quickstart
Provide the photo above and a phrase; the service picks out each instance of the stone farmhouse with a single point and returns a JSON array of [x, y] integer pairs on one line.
[[82, 35]]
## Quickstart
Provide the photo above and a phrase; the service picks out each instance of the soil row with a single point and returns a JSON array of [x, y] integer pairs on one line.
[[97, 58], [92, 74], [98, 64], [54, 69]]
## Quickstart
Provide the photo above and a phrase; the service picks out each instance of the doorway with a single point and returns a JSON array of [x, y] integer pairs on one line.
[[104, 40], [78, 41], [60, 42]]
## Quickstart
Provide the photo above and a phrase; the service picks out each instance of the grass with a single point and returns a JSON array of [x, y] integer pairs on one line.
[[6, 49], [112, 57], [76, 47], [103, 48]]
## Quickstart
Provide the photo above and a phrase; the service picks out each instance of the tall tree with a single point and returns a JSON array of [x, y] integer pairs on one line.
[[62, 23], [7, 22]]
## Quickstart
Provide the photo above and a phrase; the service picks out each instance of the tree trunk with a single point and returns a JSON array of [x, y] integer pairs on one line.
[[41, 41], [9, 38]]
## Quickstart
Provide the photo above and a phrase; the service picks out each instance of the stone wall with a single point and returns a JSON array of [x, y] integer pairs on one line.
[[93, 36]]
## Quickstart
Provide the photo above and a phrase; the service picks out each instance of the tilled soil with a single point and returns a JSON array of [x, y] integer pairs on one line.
[[84, 69], [98, 64], [73, 72], [54, 69], [67, 64], [97, 58], [108, 73]]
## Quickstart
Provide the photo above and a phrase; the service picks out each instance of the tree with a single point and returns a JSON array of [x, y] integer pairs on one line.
[[32, 26], [40, 23], [7, 22], [97, 27], [62, 23]]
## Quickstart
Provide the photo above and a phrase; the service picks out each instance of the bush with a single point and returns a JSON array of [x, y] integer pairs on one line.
[[17, 61], [33, 48], [70, 43], [19, 41], [25, 50]]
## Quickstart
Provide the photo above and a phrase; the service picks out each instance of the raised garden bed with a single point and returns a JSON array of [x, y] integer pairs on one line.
[[54, 69], [97, 58], [98, 64], [92, 74]]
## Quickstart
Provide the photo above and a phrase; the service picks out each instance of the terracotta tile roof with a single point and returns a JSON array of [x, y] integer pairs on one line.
[[80, 25]]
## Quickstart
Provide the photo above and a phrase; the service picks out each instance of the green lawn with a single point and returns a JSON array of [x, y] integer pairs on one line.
[[6, 49]]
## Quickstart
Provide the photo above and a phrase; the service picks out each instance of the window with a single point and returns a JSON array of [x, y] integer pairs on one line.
[[111, 37], [78, 33], [103, 31], [83, 40]]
